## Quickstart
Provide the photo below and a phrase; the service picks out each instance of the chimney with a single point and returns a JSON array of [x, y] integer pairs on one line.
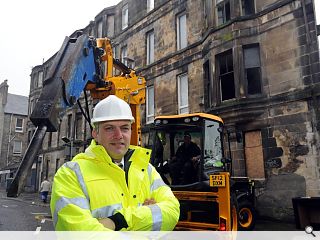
[[4, 92]]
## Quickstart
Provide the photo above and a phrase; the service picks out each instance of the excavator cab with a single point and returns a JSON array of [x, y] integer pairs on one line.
[[205, 135], [198, 178]]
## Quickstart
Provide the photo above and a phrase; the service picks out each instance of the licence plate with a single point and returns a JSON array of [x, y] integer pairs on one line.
[[217, 181]]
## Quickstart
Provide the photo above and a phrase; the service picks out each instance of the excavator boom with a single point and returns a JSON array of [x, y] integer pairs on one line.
[[79, 67]]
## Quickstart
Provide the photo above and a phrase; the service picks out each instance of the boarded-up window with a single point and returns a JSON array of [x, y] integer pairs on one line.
[[254, 155]]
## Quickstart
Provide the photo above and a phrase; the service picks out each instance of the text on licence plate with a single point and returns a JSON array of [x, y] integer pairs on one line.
[[217, 181]]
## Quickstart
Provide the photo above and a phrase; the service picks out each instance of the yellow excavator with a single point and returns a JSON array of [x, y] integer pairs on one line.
[[85, 64], [210, 198]]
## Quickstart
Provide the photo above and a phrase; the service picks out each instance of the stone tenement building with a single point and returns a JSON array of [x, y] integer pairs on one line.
[[13, 128], [254, 63]]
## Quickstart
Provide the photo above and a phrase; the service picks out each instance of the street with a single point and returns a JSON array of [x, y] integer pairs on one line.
[[18, 215], [28, 213]]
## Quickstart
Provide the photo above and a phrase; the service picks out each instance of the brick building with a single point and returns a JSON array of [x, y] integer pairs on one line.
[[13, 125], [254, 63]]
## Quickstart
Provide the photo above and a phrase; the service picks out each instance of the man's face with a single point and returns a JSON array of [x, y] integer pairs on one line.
[[114, 136], [187, 139]]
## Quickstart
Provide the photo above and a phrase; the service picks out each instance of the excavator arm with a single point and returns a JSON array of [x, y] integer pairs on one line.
[[82, 64]]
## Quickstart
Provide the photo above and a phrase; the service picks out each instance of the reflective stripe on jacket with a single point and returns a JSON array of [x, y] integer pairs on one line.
[[91, 186]]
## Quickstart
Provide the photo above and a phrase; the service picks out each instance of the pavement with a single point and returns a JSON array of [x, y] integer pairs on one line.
[[33, 198]]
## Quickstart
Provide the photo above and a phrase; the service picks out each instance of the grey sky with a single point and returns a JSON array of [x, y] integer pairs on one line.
[[33, 30]]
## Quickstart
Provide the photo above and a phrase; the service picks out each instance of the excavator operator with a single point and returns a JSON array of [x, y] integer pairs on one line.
[[112, 185]]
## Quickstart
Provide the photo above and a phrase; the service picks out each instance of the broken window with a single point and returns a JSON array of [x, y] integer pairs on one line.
[[226, 75], [252, 68], [223, 11], [247, 7]]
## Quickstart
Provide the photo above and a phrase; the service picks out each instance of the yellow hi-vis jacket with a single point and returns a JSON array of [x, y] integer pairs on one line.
[[91, 187]]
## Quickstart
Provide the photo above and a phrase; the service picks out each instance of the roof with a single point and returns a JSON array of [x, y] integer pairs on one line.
[[190, 115], [16, 104]]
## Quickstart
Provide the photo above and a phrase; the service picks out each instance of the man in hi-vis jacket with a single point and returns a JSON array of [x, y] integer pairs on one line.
[[112, 185]]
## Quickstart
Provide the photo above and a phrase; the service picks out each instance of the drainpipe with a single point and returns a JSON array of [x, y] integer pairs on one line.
[[10, 140]]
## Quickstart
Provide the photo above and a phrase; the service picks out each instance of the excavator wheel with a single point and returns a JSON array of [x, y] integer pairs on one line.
[[234, 213], [247, 218]]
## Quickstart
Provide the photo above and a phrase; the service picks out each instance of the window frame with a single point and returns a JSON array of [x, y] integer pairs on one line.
[[181, 35], [150, 47], [40, 78], [18, 128], [124, 54], [125, 16], [100, 28], [150, 5], [150, 109], [15, 144], [219, 58], [224, 18], [243, 8], [258, 66], [183, 108]]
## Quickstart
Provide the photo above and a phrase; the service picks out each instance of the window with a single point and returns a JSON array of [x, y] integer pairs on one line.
[[223, 11], [150, 5], [150, 47], [226, 76], [205, 13], [252, 68], [247, 7], [183, 93], [40, 79], [35, 80], [78, 126], [181, 31], [125, 16], [57, 164], [49, 139], [110, 22], [150, 104], [100, 29], [19, 125], [17, 147], [69, 126], [209, 86], [124, 54], [58, 134]]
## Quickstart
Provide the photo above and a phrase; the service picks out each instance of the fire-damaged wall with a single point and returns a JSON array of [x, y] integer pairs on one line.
[[260, 73], [254, 63]]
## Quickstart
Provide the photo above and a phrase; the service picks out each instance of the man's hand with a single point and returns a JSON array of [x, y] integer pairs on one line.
[[149, 202], [108, 223]]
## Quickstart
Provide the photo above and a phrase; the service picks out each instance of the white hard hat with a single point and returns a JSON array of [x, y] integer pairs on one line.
[[112, 108]]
